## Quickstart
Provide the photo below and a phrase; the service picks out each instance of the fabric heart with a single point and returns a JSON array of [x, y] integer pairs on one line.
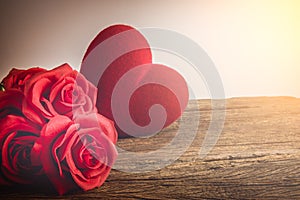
[[130, 87]]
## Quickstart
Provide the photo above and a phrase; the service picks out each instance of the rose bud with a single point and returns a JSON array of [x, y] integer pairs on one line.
[[76, 154]]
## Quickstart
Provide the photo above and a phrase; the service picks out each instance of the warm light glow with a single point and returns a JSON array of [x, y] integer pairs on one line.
[[254, 44]]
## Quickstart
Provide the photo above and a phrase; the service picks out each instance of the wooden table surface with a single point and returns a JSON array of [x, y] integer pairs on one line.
[[256, 157]]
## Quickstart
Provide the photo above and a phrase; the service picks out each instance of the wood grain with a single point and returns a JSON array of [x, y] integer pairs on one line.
[[257, 157]]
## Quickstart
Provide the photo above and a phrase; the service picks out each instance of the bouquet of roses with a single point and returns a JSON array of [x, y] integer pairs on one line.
[[50, 130]]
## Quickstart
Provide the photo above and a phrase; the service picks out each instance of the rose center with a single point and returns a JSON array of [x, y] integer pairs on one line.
[[89, 158]]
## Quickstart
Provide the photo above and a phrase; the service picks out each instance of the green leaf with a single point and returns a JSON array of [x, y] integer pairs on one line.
[[2, 87]]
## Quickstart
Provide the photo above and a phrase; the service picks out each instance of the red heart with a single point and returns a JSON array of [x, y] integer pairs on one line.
[[115, 73]]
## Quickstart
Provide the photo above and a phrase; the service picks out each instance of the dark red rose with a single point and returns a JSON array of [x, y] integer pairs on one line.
[[61, 91], [11, 102], [17, 77], [17, 137], [76, 154]]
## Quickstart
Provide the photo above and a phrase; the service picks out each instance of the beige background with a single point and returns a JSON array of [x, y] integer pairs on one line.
[[254, 44]]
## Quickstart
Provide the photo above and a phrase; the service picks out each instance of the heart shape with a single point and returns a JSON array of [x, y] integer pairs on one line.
[[130, 86]]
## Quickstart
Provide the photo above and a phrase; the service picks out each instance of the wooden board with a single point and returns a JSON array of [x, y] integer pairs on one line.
[[256, 157]]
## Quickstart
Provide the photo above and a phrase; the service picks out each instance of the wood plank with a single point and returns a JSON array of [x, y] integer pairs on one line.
[[256, 157]]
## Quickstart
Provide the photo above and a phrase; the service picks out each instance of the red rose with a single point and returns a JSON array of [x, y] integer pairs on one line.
[[11, 99], [17, 77], [17, 137], [61, 91], [11, 102], [76, 154]]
